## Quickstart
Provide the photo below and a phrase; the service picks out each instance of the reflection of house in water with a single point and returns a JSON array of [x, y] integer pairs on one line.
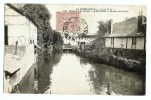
[[121, 81], [131, 85], [128, 35], [20, 39]]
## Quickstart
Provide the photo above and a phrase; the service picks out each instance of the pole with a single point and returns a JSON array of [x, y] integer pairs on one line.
[[16, 47]]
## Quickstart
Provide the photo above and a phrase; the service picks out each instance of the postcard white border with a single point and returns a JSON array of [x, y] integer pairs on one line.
[[75, 97]]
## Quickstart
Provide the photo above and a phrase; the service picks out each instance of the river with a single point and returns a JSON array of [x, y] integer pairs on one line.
[[67, 73]]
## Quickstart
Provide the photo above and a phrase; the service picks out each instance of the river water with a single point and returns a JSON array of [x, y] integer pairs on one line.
[[67, 73]]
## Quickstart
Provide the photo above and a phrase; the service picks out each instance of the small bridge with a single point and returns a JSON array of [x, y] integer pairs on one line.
[[67, 49]]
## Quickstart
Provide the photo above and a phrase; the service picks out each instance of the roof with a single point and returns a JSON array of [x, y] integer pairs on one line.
[[20, 12], [126, 28]]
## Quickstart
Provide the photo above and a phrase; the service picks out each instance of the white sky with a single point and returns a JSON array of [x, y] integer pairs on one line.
[[76, 97], [93, 17]]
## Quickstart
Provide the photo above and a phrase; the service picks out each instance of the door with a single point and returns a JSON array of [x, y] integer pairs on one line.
[[6, 35]]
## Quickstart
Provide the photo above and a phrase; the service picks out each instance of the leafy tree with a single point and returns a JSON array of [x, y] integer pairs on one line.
[[41, 16], [103, 28], [98, 45], [81, 35], [57, 41]]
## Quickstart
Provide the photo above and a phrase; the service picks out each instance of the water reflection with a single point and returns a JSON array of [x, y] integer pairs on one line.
[[26, 84], [37, 79], [122, 82], [44, 69], [69, 77], [70, 74]]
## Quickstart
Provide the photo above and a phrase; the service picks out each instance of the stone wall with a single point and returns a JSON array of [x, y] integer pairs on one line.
[[23, 64]]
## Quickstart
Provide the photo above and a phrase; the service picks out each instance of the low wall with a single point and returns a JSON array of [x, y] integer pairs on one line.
[[11, 49], [24, 64], [128, 53]]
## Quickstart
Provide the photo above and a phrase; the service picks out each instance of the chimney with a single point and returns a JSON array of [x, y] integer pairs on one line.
[[141, 21], [110, 26]]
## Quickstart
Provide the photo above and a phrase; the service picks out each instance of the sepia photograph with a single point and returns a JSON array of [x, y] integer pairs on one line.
[[74, 49]]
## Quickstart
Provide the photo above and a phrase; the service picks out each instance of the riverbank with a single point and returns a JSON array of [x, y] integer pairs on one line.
[[119, 62], [91, 78], [16, 65]]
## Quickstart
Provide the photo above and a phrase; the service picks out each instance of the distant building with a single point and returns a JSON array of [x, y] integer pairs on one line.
[[18, 27], [80, 42], [85, 41], [75, 40], [129, 34]]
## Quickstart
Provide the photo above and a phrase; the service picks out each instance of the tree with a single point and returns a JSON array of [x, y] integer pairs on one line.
[[82, 34], [57, 41], [41, 16], [103, 28], [98, 45]]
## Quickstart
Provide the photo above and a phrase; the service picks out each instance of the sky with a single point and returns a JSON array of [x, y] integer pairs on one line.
[[92, 18], [67, 97]]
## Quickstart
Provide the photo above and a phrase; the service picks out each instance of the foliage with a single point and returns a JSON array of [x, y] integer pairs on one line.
[[98, 45], [103, 28], [41, 16], [57, 41], [81, 35]]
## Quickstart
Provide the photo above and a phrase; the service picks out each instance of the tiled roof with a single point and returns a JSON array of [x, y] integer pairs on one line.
[[126, 29]]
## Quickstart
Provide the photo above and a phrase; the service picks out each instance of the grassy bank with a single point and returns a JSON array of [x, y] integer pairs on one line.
[[119, 62]]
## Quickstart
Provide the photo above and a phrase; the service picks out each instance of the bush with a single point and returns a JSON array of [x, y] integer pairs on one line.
[[57, 41]]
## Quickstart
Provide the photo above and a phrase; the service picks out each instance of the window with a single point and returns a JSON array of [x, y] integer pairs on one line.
[[30, 41], [133, 41], [122, 43], [112, 40], [6, 35]]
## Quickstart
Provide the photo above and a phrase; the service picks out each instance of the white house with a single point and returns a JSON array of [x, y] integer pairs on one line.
[[19, 27], [129, 34], [20, 41], [84, 41]]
